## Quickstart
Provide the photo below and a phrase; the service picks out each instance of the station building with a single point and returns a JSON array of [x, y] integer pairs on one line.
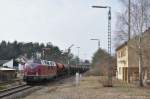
[[7, 74], [128, 59]]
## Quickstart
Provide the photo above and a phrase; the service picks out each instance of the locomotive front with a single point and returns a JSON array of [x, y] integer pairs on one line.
[[39, 70], [31, 71]]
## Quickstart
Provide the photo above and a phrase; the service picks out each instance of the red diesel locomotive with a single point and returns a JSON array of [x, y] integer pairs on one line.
[[38, 70]]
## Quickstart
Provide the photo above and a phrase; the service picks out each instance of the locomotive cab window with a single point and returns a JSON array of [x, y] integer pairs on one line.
[[49, 63]]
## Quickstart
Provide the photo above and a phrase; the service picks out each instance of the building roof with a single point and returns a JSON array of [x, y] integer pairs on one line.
[[145, 34], [122, 45], [5, 69]]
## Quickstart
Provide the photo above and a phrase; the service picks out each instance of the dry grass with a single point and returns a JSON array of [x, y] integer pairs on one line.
[[90, 87]]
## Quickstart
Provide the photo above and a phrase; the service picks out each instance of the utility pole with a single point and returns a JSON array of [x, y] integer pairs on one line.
[[129, 31], [140, 62], [99, 44], [78, 61], [129, 19], [69, 50], [140, 49]]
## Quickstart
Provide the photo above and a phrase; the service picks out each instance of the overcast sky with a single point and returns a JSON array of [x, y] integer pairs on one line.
[[61, 22]]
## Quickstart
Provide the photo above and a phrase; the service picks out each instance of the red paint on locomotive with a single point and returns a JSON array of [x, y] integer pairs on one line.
[[37, 70]]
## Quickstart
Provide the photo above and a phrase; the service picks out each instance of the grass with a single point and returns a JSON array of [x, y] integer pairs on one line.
[[2, 87], [91, 87], [119, 87]]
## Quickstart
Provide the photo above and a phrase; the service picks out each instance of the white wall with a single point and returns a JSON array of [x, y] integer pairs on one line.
[[120, 73], [20, 67], [9, 64]]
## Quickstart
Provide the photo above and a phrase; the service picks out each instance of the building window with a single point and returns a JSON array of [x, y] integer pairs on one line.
[[120, 70], [122, 53]]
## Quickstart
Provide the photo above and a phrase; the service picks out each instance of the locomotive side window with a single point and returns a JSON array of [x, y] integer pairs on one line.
[[42, 62], [52, 65], [47, 63], [37, 61]]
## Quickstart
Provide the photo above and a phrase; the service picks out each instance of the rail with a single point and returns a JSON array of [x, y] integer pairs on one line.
[[14, 90]]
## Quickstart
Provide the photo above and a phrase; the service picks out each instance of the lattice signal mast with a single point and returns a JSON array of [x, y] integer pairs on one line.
[[109, 44]]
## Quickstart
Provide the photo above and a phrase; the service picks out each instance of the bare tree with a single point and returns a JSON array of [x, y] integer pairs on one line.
[[140, 19]]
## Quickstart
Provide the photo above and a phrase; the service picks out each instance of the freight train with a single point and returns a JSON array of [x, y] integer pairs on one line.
[[39, 70]]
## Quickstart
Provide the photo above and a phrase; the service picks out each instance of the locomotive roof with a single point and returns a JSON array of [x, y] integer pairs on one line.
[[43, 62]]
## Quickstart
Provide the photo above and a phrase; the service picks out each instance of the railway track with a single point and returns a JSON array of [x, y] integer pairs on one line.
[[13, 91], [24, 90], [10, 82]]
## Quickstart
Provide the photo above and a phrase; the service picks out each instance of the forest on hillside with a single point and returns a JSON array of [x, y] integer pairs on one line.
[[12, 50]]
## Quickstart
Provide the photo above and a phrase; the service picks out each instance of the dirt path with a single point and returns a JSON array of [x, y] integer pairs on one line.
[[91, 88]]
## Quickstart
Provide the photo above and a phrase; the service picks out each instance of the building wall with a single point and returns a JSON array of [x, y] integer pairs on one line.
[[7, 75], [133, 46], [133, 51], [128, 63], [9, 64], [122, 61]]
